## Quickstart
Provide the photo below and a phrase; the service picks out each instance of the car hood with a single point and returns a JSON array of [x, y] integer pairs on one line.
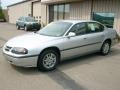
[[30, 40]]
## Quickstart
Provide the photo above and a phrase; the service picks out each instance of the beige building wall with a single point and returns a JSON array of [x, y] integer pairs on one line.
[[80, 10], [16, 11]]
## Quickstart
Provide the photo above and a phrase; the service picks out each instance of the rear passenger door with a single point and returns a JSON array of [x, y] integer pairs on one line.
[[94, 36]]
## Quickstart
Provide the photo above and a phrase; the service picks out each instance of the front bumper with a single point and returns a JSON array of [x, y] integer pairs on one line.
[[29, 61], [32, 26]]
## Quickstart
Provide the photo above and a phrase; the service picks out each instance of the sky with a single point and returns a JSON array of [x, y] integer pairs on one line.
[[5, 3]]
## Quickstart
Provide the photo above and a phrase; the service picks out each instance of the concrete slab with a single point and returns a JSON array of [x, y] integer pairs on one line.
[[91, 72]]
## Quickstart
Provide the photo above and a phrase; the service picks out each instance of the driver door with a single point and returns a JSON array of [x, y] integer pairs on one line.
[[75, 45]]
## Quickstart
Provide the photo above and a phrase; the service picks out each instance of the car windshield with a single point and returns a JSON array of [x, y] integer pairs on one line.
[[30, 19], [55, 29]]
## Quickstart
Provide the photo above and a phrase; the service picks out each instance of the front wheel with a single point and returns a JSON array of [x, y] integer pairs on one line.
[[105, 49], [18, 27], [48, 60], [38, 29]]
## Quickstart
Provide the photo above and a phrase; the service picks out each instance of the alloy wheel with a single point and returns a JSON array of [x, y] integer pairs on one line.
[[49, 60]]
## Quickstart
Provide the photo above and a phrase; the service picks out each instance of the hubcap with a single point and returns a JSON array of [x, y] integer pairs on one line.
[[106, 48], [49, 60]]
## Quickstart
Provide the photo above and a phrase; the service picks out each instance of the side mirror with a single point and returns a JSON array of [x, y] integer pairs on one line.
[[71, 34]]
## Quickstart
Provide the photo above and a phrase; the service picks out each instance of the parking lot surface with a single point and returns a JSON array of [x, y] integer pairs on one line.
[[91, 72]]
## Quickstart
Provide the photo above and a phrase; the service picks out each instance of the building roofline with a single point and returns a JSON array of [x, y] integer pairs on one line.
[[58, 1], [19, 3]]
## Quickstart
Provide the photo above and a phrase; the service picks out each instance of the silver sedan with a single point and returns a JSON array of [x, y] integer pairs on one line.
[[59, 41]]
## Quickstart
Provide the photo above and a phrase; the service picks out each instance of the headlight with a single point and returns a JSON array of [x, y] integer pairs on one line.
[[19, 50]]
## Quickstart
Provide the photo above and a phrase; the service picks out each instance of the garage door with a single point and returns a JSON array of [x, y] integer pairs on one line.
[[37, 11]]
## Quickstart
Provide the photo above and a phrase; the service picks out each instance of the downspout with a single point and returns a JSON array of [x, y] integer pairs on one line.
[[46, 14], [92, 2], [32, 9]]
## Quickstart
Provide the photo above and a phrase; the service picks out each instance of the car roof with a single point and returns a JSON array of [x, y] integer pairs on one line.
[[77, 21]]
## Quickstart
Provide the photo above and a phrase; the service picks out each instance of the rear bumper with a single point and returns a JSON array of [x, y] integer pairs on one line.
[[29, 61]]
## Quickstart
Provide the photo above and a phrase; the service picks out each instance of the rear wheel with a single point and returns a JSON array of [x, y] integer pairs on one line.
[[48, 60], [105, 49], [25, 28]]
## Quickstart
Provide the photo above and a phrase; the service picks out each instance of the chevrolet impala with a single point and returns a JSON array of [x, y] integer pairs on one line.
[[59, 41]]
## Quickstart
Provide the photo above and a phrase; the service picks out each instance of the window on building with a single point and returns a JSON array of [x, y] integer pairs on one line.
[[55, 12], [67, 11], [105, 18], [59, 12], [51, 13]]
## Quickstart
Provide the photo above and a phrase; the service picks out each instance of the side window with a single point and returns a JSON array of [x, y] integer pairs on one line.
[[101, 27], [79, 29], [94, 27]]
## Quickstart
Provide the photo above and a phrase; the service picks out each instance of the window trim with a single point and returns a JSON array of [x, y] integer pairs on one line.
[[74, 25], [94, 32]]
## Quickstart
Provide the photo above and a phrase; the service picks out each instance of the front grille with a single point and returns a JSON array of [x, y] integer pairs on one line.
[[8, 48]]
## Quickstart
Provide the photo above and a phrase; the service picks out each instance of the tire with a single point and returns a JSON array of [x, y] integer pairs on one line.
[[18, 27], [44, 62], [38, 29], [106, 47], [25, 28]]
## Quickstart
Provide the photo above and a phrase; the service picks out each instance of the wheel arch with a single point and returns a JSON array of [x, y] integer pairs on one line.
[[50, 48], [109, 40]]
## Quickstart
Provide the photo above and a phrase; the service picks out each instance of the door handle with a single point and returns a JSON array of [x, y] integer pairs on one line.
[[85, 38]]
